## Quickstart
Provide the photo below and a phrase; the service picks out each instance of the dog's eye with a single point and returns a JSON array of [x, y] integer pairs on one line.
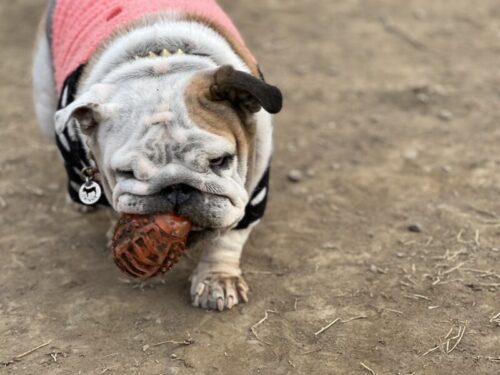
[[221, 162]]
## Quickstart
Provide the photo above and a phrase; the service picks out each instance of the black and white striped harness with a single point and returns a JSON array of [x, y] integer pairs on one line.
[[77, 159]]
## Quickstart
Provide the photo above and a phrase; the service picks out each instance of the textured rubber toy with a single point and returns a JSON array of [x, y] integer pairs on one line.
[[146, 245]]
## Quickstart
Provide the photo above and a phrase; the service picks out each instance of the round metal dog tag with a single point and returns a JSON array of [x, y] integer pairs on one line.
[[90, 193]]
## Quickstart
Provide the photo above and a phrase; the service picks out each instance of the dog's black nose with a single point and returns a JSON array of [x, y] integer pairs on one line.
[[178, 194]]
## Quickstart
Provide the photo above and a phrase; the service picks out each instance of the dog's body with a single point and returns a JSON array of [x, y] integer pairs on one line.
[[170, 107]]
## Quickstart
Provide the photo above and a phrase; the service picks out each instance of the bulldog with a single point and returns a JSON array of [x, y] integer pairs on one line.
[[161, 106]]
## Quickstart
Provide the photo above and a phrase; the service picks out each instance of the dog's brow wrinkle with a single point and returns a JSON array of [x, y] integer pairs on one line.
[[175, 149], [150, 150], [164, 105], [160, 118], [157, 153], [168, 153], [148, 145], [190, 147]]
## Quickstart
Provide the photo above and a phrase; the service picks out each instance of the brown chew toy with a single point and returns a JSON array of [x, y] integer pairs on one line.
[[145, 245]]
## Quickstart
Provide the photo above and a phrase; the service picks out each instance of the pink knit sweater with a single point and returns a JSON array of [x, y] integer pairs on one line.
[[79, 26]]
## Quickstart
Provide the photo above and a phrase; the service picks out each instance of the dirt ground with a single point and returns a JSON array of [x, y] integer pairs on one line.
[[391, 114]]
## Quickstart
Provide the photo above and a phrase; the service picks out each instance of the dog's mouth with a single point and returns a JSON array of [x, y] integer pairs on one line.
[[211, 204], [207, 212]]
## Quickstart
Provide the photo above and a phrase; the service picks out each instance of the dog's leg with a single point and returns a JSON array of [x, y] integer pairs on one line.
[[217, 283]]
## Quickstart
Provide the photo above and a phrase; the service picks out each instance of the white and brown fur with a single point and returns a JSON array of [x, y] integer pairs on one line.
[[153, 123]]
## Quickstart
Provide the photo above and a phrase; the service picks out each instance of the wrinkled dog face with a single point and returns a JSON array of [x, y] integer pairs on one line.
[[169, 138]]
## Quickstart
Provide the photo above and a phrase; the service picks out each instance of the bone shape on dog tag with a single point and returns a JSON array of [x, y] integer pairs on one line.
[[90, 192]]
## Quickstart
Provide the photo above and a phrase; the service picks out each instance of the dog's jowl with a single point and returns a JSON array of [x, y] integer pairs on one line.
[[167, 107]]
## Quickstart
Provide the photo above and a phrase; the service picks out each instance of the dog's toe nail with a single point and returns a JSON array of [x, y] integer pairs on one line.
[[243, 294], [220, 304], [230, 302], [203, 299], [242, 290], [219, 293], [200, 288]]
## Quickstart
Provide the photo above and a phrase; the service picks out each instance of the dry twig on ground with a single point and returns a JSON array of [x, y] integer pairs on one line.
[[449, 344], [367, 368], [495, 319], [391, 310], [185, 342], [393, 29], [417, 297], [22, 355], [253, 328], [323, 329]]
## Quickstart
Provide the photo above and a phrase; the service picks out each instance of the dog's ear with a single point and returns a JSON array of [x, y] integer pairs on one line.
[[87, 110], [86, 114], [244, 91]]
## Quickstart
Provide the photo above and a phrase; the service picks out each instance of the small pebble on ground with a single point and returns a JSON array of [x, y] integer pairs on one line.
[[415, 228], [295, 175], [445, 115]]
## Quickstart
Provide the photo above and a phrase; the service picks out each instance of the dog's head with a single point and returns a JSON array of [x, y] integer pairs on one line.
[[174, 138]]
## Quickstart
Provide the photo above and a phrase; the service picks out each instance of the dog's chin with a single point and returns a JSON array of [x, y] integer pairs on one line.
[[207, 212]]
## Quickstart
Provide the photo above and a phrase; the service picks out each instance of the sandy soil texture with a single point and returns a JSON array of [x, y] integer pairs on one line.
[[392, 119]]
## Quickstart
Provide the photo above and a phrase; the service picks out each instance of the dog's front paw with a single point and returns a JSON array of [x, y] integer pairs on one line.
[[218, 291]]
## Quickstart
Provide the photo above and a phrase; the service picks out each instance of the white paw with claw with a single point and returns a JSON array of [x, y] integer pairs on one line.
[[218, 291]]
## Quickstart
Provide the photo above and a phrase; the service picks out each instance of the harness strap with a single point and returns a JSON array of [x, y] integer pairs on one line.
[[71, 146]]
